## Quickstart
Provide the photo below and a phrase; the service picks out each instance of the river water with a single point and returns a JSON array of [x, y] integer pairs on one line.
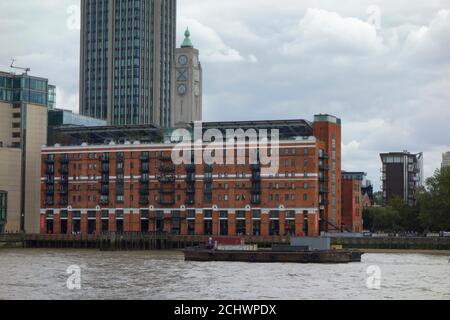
[[41, 274]]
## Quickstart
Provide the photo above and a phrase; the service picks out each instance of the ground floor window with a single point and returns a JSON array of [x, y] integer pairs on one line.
[[49, 226], [256, 227], [92, 226], [76, 226], [176, 222], [274, 228], [105, 225], [119, 225], [64, 226], [144, 226], [223, 227], [241, 228], [191, 227], [208, 227], [160, 222], [305, 223], [290, 227]]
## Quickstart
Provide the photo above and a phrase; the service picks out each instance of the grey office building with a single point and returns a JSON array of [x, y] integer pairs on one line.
[[402, 175], [127, 52]]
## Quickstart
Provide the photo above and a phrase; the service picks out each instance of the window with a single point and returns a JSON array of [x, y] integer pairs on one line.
[[3, 208]]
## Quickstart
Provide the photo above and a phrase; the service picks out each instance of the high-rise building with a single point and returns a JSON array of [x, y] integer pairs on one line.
[[446, 159], [402, 175], [188, 83], [23, 131], [127, 56]]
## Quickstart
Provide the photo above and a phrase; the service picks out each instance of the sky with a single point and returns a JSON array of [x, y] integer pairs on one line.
[[381, 66]]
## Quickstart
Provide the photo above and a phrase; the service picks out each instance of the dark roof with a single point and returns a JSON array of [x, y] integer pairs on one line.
[[149, 133]]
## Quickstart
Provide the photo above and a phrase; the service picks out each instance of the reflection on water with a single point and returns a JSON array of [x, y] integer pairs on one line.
[[41, 274]]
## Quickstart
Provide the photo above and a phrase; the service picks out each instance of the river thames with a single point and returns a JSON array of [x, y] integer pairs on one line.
[[42, 275]]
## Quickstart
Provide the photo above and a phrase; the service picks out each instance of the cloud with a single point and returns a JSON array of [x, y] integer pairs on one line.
[[266, 59], [214, 50], [324, 31]]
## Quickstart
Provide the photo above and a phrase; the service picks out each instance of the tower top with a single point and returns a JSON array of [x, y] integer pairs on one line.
[[187, 43]]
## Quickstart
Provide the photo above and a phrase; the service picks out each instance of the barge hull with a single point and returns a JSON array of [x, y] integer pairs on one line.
[[332, 256]]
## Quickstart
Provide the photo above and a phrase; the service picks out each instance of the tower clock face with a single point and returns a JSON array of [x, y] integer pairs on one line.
[[182, 89], [183, 60], [197, 90]]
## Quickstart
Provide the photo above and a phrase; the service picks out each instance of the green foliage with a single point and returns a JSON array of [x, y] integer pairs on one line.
[[432, 213], [435, 202]]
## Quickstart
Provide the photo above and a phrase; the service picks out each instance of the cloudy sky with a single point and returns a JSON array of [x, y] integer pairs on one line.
[[382, 66]]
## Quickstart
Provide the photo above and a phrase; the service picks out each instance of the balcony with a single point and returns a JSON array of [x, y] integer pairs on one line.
[[256, 190], [64, 191], [165, 202], [256, 177], [64, 170], [190, 168], [64, 159], [104, 158], [164, 157], [167, 168], [166, 179], [190, 178], [190, 190], [144, 200], [167, 190], [104, 191], [256, 167], [323, 190], [144, 180], [144, 157], [144, 190], [50, 160]]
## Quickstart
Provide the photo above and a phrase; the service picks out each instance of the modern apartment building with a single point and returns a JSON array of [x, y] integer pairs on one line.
[[446, 160], [352, 198], [128, 185], [402, 175], [127, 56], [23, 131]]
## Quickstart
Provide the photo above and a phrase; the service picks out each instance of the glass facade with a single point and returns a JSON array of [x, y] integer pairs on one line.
[[51, 100], [128, 49], [23, 88], [68, 118]]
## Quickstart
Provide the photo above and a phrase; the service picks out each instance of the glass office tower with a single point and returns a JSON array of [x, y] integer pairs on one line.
[[127, 52]]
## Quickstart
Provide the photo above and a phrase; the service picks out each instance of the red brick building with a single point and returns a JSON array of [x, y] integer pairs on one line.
[[352, 201], [95, 188]]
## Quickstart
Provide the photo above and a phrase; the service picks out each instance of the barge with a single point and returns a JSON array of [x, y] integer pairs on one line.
[[204, 254], [316, 250]]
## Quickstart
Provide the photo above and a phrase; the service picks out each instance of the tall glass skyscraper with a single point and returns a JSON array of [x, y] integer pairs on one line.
[[127, 52]]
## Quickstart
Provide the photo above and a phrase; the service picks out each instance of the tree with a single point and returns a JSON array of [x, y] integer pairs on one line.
[[434, 202]]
